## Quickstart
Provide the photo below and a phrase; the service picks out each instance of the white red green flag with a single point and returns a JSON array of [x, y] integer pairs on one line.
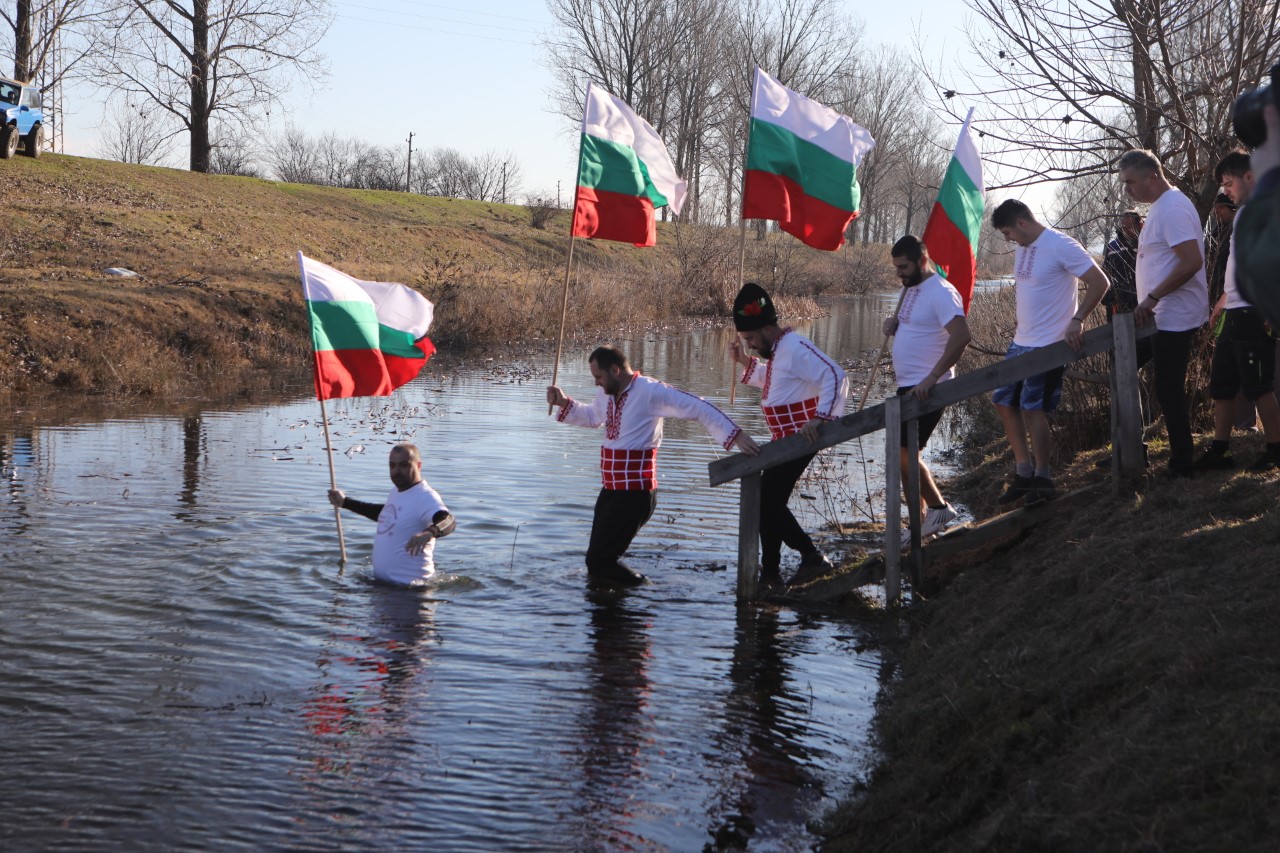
[[369, 337], [802, 163], [951, 235], [624, 174]]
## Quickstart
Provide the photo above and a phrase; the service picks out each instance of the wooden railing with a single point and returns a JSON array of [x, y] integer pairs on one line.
[[1126, 441]]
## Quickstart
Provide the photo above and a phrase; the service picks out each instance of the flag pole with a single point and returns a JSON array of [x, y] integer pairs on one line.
[[568, 266], [333, 484], [866, 392], [742, 230], [324, 417]]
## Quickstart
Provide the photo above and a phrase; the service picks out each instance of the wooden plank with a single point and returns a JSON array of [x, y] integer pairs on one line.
[[749, 538], [840, 583], [1127, 462], [893, 499], [970, 536], [913, 500], [943, 394]]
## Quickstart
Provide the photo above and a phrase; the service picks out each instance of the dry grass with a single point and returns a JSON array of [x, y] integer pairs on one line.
[[219, 288], [1108, 682]]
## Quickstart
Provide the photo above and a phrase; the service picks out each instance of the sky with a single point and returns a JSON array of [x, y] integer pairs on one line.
[[471, 76]]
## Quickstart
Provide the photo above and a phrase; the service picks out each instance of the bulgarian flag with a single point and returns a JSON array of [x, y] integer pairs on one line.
[[802, 161], [951, 235], [624, 173], [369, 336]]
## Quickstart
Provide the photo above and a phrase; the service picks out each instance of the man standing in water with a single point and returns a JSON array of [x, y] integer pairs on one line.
[[409, 523], [1172, 291], [930, 334], [631, 407], [802, 388]]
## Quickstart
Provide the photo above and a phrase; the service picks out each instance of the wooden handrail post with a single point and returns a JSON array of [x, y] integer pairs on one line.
[[749, 537], [892, 500], [1127, 463], [913, 503]]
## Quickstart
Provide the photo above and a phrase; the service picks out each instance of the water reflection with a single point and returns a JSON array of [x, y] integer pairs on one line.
[[193, 452], [616, 721], [762, 731], [367, 681]]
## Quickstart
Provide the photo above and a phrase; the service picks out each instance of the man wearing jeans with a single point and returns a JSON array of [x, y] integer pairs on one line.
[[1046, 267], [1172, 291]]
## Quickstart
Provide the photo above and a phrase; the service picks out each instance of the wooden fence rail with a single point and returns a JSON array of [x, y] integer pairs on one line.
[[1126, 440]]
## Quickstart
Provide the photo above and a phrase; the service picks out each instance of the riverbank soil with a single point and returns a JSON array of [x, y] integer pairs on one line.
[[218, 287], [1108, 681]]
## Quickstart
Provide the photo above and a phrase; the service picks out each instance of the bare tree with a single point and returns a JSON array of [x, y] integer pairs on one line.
[[1069, 84], [129, 137], [42, 28], [292, 158], [203, 61]]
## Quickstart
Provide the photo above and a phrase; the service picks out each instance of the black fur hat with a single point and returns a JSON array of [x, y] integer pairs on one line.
[[753, 309]]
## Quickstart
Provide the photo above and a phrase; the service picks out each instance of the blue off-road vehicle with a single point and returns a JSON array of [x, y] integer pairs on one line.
[[23, 119]]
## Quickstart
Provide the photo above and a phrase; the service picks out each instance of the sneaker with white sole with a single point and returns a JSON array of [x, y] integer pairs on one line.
[[937, 518]]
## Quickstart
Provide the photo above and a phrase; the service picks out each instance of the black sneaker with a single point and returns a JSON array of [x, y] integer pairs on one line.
[[1265, 462], [812, 565], [1215, 461], [1016, 490], [1041, 490]]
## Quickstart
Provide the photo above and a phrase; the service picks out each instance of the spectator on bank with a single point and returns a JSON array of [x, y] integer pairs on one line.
[[1119, 260], [1244, 358], [1172, 291]]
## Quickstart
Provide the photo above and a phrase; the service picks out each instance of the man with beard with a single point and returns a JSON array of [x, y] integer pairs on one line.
[[802, 387], [930, 334], [631, 407], [409, 523], [1046, 267], [1119, 262]]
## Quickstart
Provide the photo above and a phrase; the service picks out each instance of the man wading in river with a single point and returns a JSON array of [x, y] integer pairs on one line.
[[802, 388], [631, 408], [409, 523]]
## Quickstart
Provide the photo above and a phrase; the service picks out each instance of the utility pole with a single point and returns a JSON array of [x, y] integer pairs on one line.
[[408, 168], [557, 195], [504, 181]]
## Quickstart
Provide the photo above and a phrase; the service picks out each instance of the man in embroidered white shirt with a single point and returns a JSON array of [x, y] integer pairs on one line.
[[802, 387], [631, 407]]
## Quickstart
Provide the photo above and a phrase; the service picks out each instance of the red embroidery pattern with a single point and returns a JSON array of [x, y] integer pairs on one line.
[[1026, 263], [613, 420], [787, 420], [908, 304], [768, 371], [629, 470]]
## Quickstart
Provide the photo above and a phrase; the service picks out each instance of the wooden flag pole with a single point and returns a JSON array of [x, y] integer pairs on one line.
[[866, 392], [742, 231], [564, 306], [333, 483]]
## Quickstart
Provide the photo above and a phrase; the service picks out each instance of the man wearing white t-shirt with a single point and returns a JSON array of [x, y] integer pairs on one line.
[[1244, 358], [1172, 290], [1046, 267], [930, 334], [409, 523]]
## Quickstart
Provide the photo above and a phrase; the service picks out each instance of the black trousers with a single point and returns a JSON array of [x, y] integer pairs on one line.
[[777, 524], [1169, 353], [618, 518]]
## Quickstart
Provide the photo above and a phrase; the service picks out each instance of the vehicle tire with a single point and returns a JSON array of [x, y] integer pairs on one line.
[[8, 141], [34, 141]]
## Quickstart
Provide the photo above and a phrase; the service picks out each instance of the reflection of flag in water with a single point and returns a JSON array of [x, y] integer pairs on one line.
[[951, 235], [369, 337]]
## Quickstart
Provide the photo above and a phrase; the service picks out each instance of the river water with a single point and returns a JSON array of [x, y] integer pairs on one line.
[[184, 666]]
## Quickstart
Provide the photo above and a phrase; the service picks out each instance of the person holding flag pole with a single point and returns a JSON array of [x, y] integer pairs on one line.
[[369, 338], [624, 174]]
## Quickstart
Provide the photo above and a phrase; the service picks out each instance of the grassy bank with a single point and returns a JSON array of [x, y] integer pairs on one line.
[[219, 284], [1109, 681]]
